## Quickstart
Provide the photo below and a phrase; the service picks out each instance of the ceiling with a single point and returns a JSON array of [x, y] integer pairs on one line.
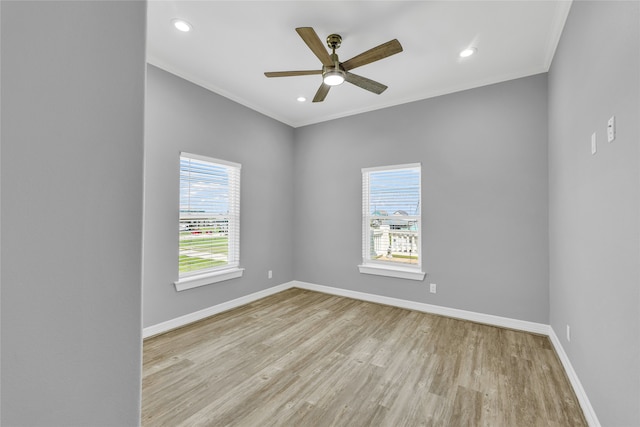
[[232, 44]]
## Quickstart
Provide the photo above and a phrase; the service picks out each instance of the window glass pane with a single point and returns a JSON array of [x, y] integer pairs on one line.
[[208, 210], [394, 241], [391, 199], [394, 192]]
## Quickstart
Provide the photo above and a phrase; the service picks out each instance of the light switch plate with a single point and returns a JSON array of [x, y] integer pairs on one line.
[[593, 143], [611, 129]]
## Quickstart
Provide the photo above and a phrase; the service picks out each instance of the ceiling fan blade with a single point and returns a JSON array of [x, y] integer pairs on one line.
[[312, 40], [365, 83], [291, 73], [322, 92], [375, 54]]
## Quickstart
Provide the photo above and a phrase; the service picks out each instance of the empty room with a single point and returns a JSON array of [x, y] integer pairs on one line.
[[385, 213]]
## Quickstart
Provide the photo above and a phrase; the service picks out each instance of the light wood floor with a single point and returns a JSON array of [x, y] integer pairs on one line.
[[302, 358]]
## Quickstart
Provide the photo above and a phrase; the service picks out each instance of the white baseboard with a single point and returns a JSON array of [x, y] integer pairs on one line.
[[504, 322], [581, 394], [488, 319], [210, 311]]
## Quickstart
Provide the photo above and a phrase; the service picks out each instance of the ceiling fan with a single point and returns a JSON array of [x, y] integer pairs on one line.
[[335, 72]]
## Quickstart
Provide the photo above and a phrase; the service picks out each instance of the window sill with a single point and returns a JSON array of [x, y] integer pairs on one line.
[[399, 272], [208, 278]]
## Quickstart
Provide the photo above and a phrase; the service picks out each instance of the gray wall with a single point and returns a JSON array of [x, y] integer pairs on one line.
[[71, 172], [181, 116], [484, 179], [594, 208]]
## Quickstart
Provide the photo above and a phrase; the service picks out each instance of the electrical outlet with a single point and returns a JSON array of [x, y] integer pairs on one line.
[[270, 274], [568, 333], [432, 288]]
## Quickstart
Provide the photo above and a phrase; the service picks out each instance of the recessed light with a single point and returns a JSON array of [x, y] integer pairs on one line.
[[468, 52], [301, 99], [181, 25]]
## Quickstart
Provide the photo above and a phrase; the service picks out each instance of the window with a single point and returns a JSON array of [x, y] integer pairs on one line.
[[209, 225], [391, 221]]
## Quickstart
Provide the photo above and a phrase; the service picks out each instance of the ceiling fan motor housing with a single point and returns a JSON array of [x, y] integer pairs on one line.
[[333, 75]]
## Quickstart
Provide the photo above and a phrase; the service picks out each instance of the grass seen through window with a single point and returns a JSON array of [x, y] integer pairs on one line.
[[202, 249]]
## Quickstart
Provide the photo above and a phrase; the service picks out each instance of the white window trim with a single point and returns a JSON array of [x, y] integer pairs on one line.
[[392, 167], [392, 271], [210, 159], [389, 270], [208, 278]]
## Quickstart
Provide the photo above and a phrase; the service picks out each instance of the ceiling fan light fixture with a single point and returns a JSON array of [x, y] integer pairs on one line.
[[333, 77]]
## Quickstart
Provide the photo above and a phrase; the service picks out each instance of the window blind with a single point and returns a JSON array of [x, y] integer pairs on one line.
[[209, 220]]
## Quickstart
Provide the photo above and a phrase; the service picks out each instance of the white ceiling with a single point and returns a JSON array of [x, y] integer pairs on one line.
[[234, 42]]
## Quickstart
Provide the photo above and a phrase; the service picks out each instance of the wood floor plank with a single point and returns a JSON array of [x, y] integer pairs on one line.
[[302, 358]]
